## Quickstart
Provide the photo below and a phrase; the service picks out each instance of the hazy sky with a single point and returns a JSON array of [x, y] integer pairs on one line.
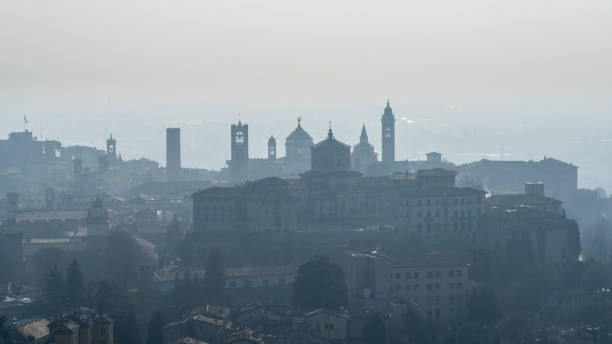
[[454, 69]]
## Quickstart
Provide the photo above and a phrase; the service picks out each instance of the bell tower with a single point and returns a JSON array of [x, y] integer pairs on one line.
[[111, 148], [240, 152], [388, 135], [271, 148]]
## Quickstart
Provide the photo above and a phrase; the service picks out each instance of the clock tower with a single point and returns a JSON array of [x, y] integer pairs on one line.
[[388, 135], [239, 164]]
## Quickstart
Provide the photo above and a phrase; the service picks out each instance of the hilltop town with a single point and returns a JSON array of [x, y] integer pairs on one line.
[[327, 244]]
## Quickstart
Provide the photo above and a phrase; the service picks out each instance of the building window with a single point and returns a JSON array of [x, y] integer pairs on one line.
[[398, 275], [437, 273], [451, 273], [415, 275], [430, 286]]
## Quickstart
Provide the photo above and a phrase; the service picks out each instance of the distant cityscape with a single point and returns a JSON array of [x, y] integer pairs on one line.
[[330, 243]]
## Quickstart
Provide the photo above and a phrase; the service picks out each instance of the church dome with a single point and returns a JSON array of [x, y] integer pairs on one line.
[[299, 134], [331, 155], [330, 143]]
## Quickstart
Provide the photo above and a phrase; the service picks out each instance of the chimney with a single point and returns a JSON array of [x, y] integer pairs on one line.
[[534, 188]]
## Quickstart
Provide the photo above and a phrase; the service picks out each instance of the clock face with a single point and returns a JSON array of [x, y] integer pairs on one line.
[[239, 138]]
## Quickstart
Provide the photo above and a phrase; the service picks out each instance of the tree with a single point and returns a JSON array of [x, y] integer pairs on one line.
[[44, 260], [419, 330], [54, 286], [74, 283], [374, 330], [107, 297], [187, 290], [5, 336], [127, 331], [483, 307], [122, 257], [574, 246], [214, 280], [599, 240], [518, 255], [7, 273], [595, 276], [154, 333], [320, 284]]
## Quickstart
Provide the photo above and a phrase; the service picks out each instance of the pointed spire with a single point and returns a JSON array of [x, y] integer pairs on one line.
[[388, 112], [299, 120], [330, 134], [364, 135]]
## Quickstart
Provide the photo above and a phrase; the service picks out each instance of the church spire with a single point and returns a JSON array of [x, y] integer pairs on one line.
[[363, 138]]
